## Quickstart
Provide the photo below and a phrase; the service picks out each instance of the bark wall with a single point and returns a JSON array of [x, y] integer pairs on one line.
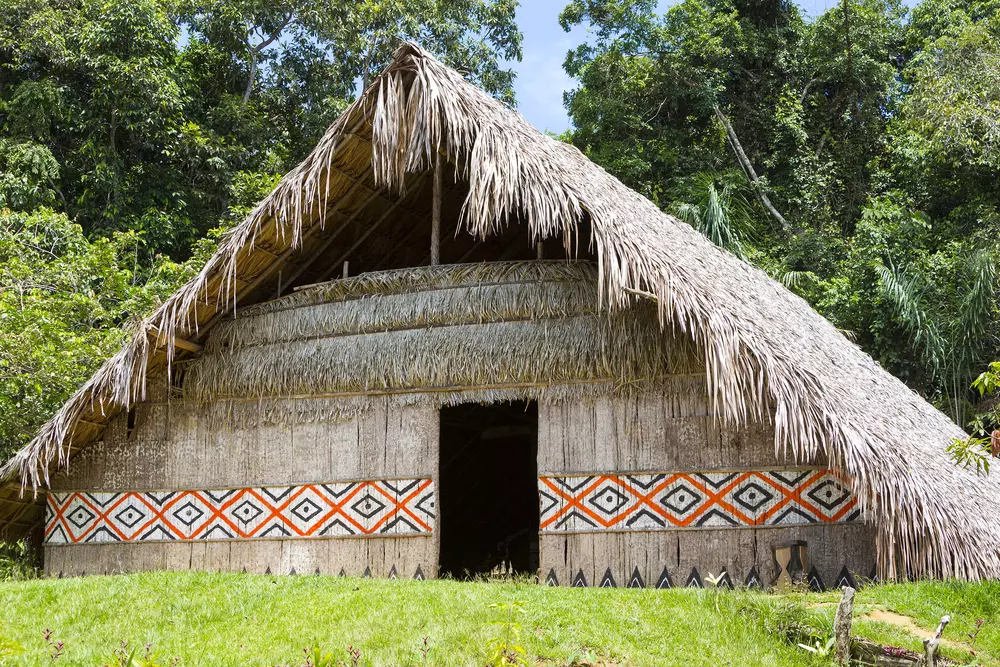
[[188, 447], [676, 433]]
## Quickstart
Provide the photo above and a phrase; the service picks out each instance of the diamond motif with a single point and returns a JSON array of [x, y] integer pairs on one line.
[[306, 510], [681, 499], [81, 516], [752, 496], [607, 499], [247, 512], [829, 494], [188, 513], [368, 505], [130, 516]]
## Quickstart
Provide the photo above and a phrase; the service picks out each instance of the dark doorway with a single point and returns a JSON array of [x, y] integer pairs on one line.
[[488, 495]]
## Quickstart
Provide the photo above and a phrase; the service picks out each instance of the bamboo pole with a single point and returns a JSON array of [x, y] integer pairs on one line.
[[436, 214]]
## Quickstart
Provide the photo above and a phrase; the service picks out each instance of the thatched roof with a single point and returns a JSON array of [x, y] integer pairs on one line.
[[768, 355]]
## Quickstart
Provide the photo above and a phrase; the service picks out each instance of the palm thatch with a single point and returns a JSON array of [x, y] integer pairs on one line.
[[529, 325], [767, 354]]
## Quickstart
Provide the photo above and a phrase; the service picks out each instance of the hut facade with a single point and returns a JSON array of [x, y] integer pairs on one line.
[[567, 381]]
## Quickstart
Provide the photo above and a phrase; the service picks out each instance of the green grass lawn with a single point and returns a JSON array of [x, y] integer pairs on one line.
[[232, 619]]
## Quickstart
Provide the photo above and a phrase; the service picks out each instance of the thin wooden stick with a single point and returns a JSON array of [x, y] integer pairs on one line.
[[931, 645], [436, 214]]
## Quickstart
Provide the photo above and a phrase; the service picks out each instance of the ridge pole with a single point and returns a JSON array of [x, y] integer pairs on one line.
[[436, 213]]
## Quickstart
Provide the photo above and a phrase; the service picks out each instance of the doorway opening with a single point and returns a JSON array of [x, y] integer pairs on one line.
[[488, 489]]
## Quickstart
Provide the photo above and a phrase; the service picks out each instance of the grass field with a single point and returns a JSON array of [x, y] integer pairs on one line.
[[232, 619]]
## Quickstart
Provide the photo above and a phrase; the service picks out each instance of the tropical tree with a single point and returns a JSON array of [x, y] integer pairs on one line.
[[143, 114]]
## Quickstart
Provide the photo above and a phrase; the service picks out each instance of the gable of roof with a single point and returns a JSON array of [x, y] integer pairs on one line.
[[768, 354]]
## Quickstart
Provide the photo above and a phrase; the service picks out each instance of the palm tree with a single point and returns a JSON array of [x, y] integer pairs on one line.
[[954, 341], [721, 215]]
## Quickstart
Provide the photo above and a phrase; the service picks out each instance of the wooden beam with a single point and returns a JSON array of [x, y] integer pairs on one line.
[[406, 239], [337, 262], [436, 213], [380, 194], [19, 501], [842, 626], [178, 342], [251, 286], [471, 250], [328, 241]]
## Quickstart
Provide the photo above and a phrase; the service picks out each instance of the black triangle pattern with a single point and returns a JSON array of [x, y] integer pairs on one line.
[[814, 580], [753, 579], [551, 579], [608, 580], [845, 579], [694, 579], [635, 581], [664, 581], [418, 575], [579, 581]]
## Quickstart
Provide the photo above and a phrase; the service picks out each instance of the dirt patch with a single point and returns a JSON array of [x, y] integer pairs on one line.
[[907, 623]]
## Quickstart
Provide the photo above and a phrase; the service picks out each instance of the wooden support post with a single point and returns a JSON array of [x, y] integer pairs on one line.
[[842, 626], [180, 343], [346, 268], [931, 645], [436, 214], [540, 249]]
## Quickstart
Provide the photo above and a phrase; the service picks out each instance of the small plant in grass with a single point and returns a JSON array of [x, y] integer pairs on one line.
[[140, 656], [505, 650], [315, 657], [582, 658], [55, 648], [820, 648], [972, 639]]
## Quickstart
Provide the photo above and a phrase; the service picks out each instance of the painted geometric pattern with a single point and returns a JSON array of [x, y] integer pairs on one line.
[[694, 500], [384, 507]]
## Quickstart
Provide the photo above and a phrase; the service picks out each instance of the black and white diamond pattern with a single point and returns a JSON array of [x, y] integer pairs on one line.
[[389, 507], [660, 501]]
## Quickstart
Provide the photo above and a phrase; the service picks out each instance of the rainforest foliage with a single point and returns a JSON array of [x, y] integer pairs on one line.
[[852, 155]]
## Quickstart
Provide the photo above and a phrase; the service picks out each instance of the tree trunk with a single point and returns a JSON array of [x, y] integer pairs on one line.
[[748, 169], [252, 77]]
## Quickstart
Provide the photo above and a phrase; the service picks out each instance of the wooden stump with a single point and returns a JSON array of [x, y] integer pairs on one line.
[[842, 626]]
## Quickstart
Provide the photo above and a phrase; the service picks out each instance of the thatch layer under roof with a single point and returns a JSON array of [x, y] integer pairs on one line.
[[768, 355], [525, 324]]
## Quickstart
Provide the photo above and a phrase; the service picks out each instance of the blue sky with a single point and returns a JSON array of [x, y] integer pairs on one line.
[[540, 77]]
